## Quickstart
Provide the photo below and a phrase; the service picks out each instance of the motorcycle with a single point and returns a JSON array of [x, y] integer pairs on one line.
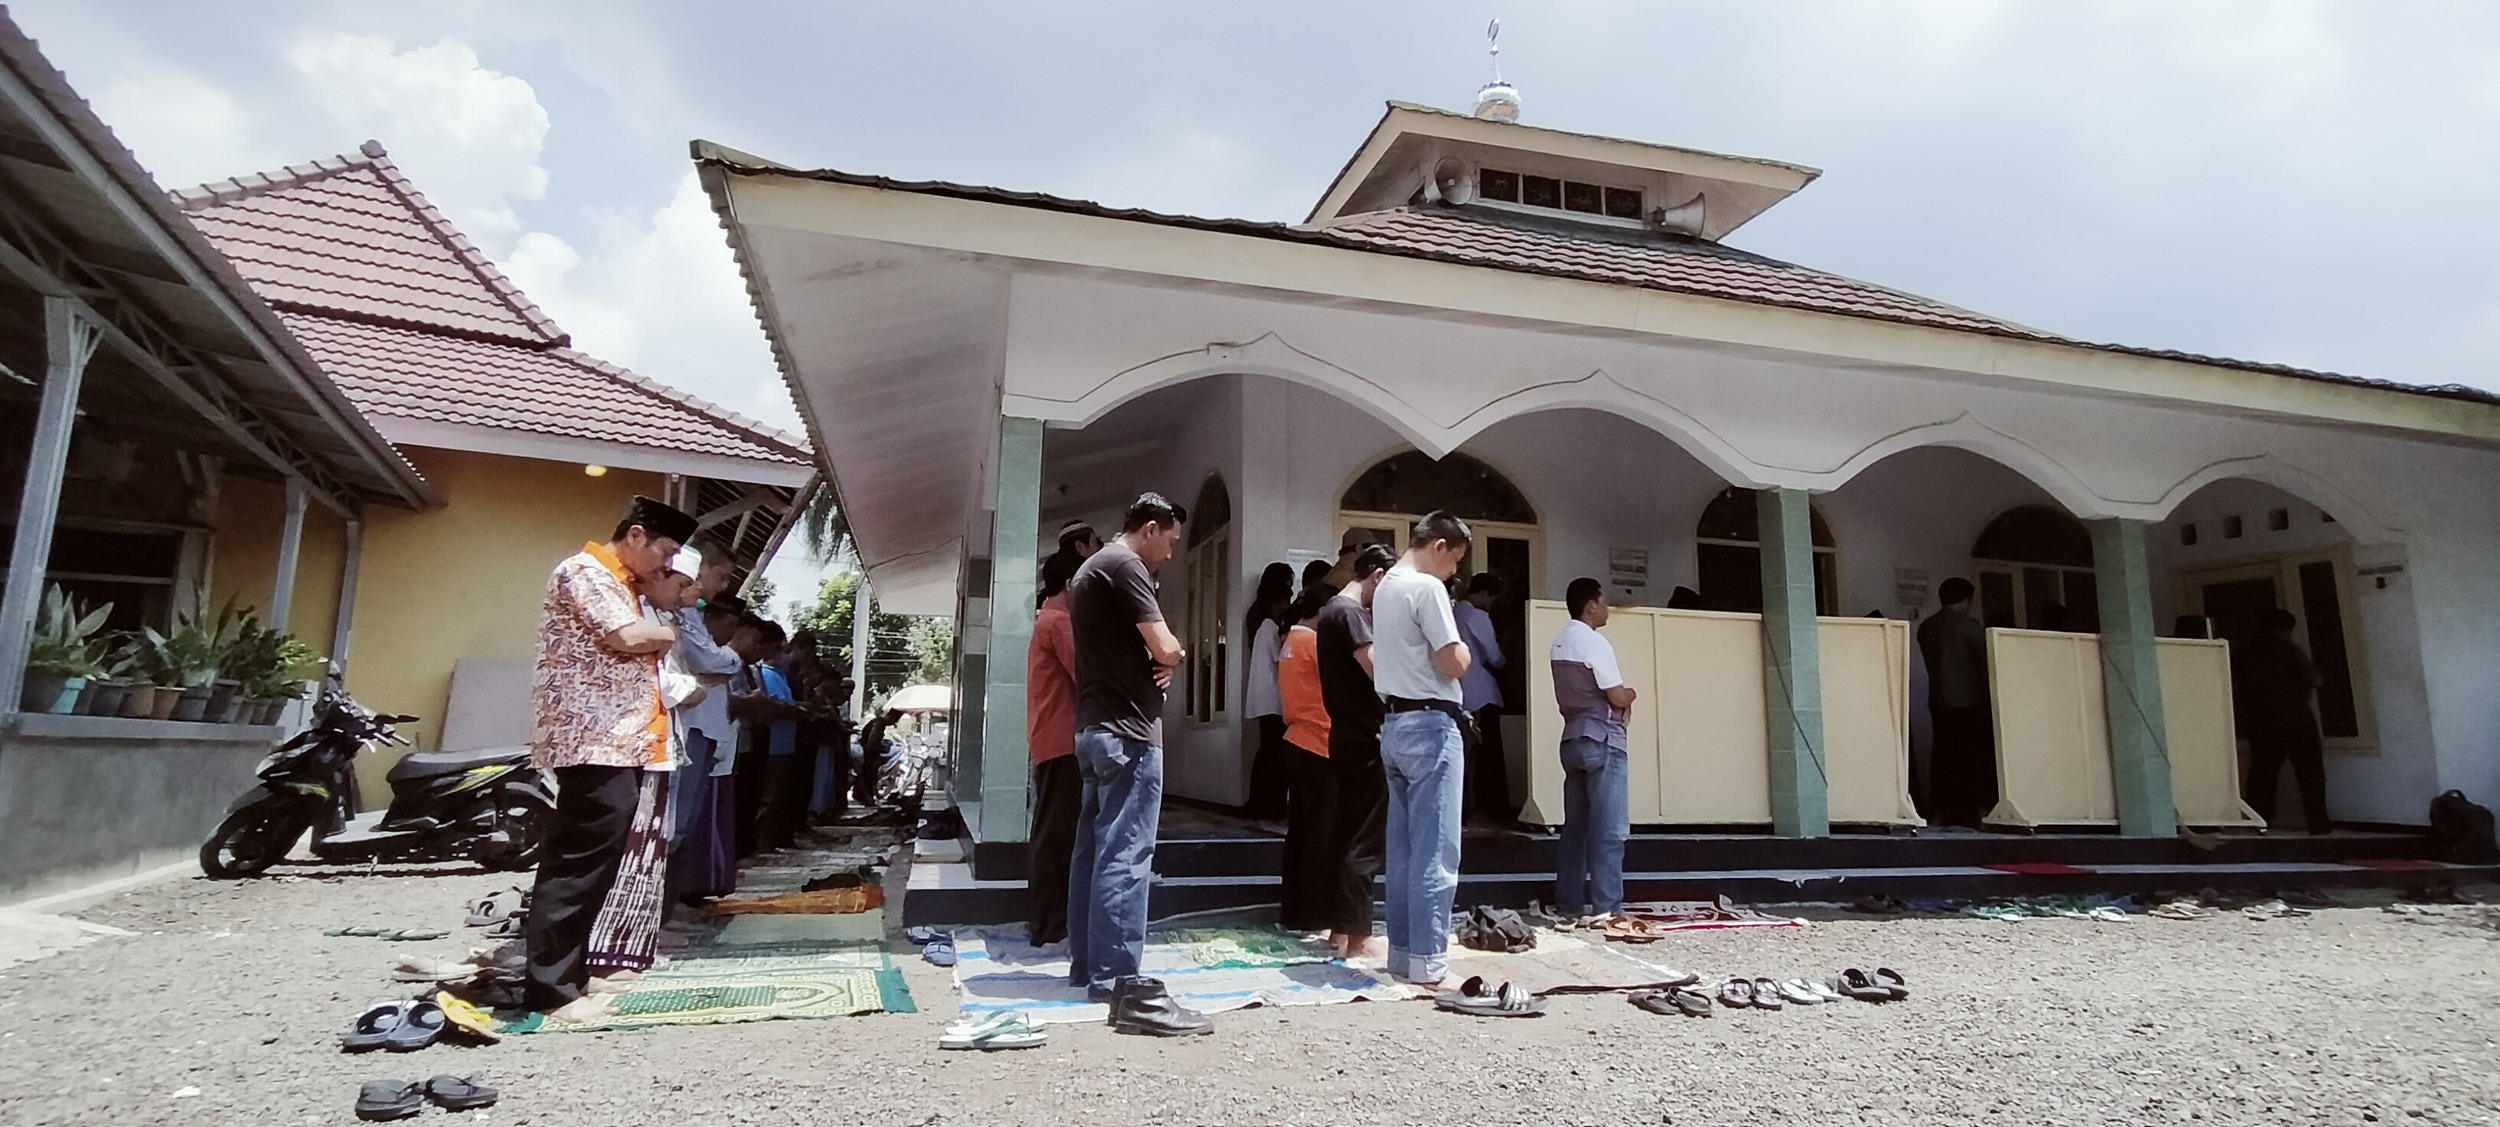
[[487, 805]]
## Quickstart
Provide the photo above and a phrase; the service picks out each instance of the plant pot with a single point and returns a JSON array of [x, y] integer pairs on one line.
[[51, 692], [221, 701], [167, 699], [137, 701], [192, 704], [255, 711], [104, 698]]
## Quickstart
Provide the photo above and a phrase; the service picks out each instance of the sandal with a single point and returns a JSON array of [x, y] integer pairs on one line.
[[1736, 994], [372, 1027], [1766, 994], [1004, 1029], [459, 1093], [1796, 990], [1631, 929], [1678, 1000], [1855, 983], [1892, 982], [389, 1099], [1475, 997]]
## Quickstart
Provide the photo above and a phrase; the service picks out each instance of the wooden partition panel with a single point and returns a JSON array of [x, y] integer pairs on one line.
[[1698, 739], [2052, 728], [1866, 720], [2204, 749]]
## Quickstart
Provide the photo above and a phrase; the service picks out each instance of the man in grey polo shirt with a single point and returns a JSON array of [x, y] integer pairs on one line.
[[1596, 758], [1417, 659]]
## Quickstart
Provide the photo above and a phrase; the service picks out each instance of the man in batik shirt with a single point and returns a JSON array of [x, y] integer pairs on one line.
[[598, 723]]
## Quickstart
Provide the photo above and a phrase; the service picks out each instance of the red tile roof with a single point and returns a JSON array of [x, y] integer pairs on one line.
[[414, 322], [1646, 259]]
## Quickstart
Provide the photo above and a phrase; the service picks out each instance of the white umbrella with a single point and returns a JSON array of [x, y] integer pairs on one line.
[[923, 698]]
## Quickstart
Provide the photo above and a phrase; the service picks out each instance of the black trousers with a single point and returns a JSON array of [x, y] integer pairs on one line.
[[594, 807], [749, 794], [1488, 770], [2299, 745], [1359, 841], [1269, 773], [1963, 765], [871, 766], [786, 783], [1058, 801], [1310, 871]]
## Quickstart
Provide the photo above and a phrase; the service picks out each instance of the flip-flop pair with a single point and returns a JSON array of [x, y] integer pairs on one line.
[[1675, 1000], [382, 1100], [1885, 985], [1481, 999], [373, 931], [1003, 1029], [936, 946], [401, 1027]]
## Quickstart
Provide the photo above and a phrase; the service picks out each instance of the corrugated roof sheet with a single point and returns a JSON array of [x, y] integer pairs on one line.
[[414, 322]]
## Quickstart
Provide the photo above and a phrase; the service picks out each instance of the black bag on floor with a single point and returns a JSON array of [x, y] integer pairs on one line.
[[1496, 929], [2461, 829]]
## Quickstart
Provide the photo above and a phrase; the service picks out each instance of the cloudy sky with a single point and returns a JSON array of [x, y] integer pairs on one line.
[[2301, 182]]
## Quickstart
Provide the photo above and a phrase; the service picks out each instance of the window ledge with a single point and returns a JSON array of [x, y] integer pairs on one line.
[[113, 728]]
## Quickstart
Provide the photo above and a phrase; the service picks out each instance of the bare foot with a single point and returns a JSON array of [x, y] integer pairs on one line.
[[580, 1011], [612, 984]]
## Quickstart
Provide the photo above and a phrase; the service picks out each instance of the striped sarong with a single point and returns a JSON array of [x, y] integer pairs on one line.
[[627, 933]]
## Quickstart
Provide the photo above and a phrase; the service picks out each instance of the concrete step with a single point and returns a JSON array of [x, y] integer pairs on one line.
[[950, 894]]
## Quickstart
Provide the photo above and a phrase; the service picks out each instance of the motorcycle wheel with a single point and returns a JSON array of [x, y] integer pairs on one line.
[[250, 840], [522, 819]]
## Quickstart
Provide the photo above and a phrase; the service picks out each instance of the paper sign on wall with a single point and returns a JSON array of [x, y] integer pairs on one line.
[[1909, 589], [1628, 569]]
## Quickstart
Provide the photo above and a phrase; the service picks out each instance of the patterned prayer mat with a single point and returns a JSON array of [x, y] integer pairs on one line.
[[1208, 969], [759, 968]]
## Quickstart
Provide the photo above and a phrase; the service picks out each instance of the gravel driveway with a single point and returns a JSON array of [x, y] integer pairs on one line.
[[225, 1008]]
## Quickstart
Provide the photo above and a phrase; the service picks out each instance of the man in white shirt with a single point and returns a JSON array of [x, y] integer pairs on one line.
[[1596, 758], [1488, 770], [1417, 660]]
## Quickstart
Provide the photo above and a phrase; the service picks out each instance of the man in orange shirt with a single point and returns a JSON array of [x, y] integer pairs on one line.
[[598, 723], [1310, 872], [1050, 732]]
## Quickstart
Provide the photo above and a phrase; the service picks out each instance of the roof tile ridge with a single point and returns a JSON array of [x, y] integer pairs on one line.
[[768, 435], [462, 248], [411, 325], [252, 184]]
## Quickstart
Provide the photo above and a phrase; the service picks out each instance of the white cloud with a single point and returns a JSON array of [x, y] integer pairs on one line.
[[658, 292], [469, 136], [185, 129]]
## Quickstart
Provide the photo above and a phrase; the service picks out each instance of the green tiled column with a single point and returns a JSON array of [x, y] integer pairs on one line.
[[1015, 532], [1792, 667], [2139, 745]]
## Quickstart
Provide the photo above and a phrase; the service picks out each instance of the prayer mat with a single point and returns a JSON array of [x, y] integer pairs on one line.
[[1208, 969], [758, 969], [831, 901]]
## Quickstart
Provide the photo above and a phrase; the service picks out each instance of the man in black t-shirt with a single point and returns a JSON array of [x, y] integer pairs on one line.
[[1124, 661], [1354, 711]]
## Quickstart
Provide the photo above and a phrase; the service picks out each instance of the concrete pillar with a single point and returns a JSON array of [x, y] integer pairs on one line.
[[343, 627], [2139, 745], [290, 550], [863, 610], [1014, 578], [69, 341], [1792, 666]]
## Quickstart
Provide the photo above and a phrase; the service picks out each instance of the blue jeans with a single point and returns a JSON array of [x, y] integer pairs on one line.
[[1425, 761], [1597, 817], [1111, 870]]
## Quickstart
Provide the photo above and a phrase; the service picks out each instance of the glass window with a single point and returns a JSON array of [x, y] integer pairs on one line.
[[2322, 609], [1583, 197], [1495, 184], [1540, 191], [1727, 548], [1413, 483], [2039, 534], [1623, 203]]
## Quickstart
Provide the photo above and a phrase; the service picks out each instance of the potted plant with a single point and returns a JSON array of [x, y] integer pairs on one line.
[[133, 664], [268, 667], [67, 649], [105, 693], [186, 663]]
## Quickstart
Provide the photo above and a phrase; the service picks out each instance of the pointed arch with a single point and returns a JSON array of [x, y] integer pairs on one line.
[[2358, 521], [1966, 432]]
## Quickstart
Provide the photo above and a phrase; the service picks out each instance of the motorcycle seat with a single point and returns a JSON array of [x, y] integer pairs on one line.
[[429, 764]]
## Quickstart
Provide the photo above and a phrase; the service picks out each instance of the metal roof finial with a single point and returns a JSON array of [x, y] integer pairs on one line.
[[1496, 100]]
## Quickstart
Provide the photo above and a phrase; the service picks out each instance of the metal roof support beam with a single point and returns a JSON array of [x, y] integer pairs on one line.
[[746, 503], [290, 553], [344, 628], [167, 362], [69, 342]]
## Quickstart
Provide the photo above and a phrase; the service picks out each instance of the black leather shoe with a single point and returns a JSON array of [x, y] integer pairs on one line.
[[1143, 1005]]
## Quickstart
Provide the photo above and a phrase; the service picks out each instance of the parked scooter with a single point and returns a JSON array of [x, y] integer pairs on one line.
[[489, 805]]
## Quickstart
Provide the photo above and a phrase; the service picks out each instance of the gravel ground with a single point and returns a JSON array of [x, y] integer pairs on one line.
[[225, 1008]]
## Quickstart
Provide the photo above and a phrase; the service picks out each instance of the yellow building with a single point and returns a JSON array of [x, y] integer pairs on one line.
[[530, 448]]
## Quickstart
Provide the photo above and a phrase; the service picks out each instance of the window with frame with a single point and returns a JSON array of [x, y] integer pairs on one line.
[[1558, 194], [1727, 551], [2034, 565], [1206, 634]]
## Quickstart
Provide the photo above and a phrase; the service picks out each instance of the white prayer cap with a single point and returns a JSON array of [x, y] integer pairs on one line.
[[687, 562]]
